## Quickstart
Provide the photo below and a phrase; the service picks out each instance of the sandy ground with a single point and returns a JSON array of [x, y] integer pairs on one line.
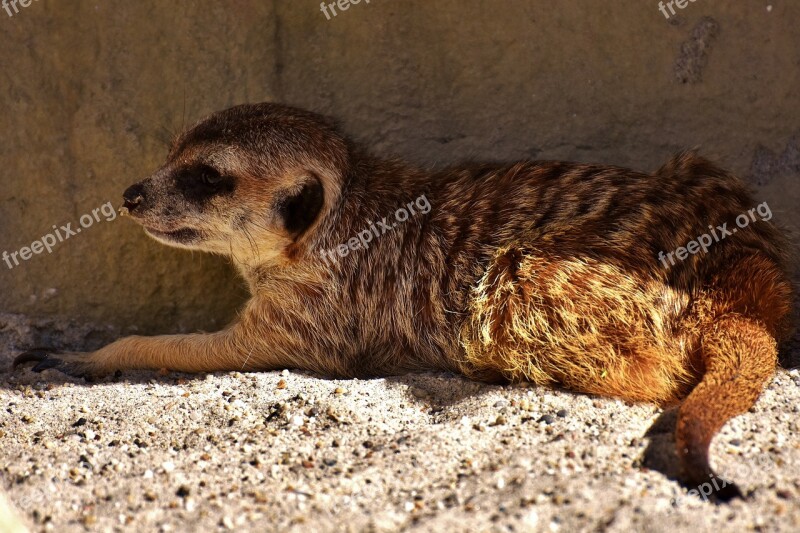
[[292, 452]]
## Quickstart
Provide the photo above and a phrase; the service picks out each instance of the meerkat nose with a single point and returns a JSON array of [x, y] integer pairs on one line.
[[133, 197]]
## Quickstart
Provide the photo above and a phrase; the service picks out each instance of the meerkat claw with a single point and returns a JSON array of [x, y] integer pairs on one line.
[[47, 364], [35, 355], [47, 359]]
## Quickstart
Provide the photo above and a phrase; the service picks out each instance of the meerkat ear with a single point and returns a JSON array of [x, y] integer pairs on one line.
[[301, 205]]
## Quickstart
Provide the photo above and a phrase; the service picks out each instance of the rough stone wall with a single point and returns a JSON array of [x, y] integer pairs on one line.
[[91, 93]]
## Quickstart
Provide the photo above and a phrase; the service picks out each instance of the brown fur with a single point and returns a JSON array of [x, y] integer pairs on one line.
[[539, 271]]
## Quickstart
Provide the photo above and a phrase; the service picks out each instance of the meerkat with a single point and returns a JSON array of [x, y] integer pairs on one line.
[[540, 271]]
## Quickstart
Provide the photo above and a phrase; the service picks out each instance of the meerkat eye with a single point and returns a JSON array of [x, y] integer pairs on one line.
[[210, 176], [201, 183]]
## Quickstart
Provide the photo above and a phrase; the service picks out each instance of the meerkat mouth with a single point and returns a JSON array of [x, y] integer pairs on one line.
[[179, 236]]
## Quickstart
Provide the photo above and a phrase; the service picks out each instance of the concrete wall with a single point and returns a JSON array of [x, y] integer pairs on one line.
[[91, 92]]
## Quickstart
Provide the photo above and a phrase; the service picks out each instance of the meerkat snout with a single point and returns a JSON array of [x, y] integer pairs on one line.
[[133, 197], [173, 205]]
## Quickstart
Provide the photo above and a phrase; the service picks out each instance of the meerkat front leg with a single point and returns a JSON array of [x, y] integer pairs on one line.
[[222, 351]]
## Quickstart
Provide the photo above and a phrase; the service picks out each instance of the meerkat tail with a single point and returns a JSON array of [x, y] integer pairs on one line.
[[740, 356]]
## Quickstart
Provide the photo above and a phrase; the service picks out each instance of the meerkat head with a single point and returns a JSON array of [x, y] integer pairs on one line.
[[250, 182]]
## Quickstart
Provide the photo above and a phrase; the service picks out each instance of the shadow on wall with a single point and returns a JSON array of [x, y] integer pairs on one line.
[[97, 92]]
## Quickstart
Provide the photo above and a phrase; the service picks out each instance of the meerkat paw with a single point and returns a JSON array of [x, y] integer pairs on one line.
[[73, 364]]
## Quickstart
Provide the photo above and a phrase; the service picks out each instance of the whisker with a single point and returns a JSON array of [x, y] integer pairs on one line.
[[252, 242], [183, 120], [263, 228]]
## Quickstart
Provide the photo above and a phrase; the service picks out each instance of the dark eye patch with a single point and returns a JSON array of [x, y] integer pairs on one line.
[[200, 183]]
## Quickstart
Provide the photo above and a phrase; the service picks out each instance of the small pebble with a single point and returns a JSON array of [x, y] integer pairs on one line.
[[500, 421]]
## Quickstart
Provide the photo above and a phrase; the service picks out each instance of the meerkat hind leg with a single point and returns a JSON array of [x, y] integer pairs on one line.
[[581, 324]]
